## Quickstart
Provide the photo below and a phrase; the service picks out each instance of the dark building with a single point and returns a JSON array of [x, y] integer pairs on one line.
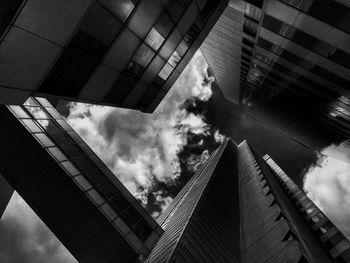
[[70, 188], [286, 63], [334, 241], [236, 209], [125, 53]]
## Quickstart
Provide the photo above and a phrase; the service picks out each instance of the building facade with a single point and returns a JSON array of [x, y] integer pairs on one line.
[[286, 62], [125, 53], [236, 209], [82, 202]]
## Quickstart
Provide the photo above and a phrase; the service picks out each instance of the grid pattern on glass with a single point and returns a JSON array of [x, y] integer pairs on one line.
[[82, 168], [320, 224]]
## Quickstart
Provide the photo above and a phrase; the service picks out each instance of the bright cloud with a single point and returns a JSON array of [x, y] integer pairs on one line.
[[140, 148], [328, 184]]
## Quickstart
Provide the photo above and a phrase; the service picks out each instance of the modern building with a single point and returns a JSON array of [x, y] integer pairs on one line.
[[125, 53], [334, 241], [81, 201], [236, 209], [286, 62]]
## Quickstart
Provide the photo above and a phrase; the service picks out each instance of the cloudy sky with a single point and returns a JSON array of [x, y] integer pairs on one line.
[[327, 183], [152, 154]]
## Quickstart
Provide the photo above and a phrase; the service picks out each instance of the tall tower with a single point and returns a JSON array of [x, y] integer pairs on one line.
[[235, 209], [73, 192]]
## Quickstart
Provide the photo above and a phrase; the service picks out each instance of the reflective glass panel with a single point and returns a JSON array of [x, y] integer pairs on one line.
[[44, 139], [59, 156], [20, 113], [96, 197], [174, 59], [54, 113], [108, 211], [31, 125], [154, 39], [70, 168], [30, 102], [64, 125], [75, 136], [37, 112], [120, 224], [49, 126], [44, 102], [143, 55], [82, 182], [166, 71]]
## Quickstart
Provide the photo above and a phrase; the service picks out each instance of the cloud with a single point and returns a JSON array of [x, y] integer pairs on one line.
[[143, 149], [153, 155], [327, 183], [25, 238]]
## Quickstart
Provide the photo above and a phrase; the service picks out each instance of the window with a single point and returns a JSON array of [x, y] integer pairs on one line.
[[72, 151], [192, 34], [97, 161], [96, 197], [82, 182], [44, 102], [54, 114], [49, 126], [45, 141], [174, 59], [182, 48], [108, 190], [143, 55], [57, 154], [143, 230], [64, 125], [86, 148], [154, 39], [31, 125], [108, 211], [83, 164], [75, 136], [166, 71], [70, 168], [120, 224], [60, 138], [37, 112], [253, 12], [19, 112], [119, 203]]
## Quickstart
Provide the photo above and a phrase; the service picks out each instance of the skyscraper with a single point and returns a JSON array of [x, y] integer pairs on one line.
[[125, 53], [70, 188], [287, 63], [236, 209]]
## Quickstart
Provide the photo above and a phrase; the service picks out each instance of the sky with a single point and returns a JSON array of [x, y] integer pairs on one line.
[[327, 184], [153, 155]]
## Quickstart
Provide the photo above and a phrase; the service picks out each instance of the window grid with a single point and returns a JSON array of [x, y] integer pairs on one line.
[[80, 179], [320, 224]]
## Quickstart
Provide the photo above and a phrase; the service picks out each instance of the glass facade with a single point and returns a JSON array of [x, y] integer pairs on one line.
[[337, 245], [88, 172], [123, 52]]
